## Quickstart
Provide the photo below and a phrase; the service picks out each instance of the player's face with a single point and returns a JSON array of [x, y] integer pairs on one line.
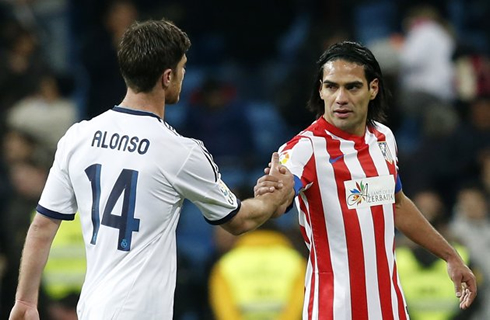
[[346, 95], [173, 92]]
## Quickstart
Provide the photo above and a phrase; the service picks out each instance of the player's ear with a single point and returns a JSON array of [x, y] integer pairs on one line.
[[167, 77], [374, 88]]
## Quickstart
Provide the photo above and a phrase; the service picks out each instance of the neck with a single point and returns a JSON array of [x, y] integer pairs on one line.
[[149, 101]]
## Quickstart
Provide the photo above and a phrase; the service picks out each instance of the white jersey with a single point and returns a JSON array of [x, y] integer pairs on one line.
[[127, 173]]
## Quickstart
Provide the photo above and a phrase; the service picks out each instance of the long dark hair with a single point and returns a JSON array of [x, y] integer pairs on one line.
[[356, 53]]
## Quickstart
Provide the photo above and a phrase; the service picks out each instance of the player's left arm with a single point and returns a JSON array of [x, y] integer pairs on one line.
[[410, 221], [34, 257]]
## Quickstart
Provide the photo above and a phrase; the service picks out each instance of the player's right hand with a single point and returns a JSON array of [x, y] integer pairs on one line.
[[24, 311], [267, 184], [285, 185], [273, 179]]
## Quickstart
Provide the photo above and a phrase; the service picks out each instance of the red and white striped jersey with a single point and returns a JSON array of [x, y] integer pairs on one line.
[[346, 204]]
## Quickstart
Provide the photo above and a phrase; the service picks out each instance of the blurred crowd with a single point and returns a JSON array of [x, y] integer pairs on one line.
[[248, 75]]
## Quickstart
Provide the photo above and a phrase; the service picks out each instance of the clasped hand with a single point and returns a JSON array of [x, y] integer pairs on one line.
[[277, 180]]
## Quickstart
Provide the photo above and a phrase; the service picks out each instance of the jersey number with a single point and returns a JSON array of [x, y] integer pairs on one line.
[[126, 223]]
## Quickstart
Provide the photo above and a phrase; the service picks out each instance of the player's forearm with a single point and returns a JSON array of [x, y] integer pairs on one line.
[[253, 213], [34, 256], [413, 224]]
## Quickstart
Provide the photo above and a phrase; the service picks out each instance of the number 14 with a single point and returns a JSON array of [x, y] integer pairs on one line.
[[126, 223]]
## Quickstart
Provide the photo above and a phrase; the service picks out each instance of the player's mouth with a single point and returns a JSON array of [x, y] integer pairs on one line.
[[342, 113]]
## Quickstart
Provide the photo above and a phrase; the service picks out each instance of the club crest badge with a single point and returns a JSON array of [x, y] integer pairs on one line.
[[385, 150]]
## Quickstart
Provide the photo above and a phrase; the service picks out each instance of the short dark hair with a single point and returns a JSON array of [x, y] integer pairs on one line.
[[356, 53], [147, 49]]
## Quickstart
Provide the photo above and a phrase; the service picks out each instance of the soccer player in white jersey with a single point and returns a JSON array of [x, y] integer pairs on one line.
[[350, 198], [127, 172]]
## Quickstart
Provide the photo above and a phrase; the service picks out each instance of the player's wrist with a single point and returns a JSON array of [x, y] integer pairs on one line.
[[452, 256], [26, 303]]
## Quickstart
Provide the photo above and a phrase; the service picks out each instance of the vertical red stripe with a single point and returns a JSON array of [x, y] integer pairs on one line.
[[402, 313], [319, 247], [312, 258], [377, 214], [357, 268]]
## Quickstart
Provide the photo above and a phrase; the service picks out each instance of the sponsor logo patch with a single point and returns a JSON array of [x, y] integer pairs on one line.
[[367, 192], [230, 197]]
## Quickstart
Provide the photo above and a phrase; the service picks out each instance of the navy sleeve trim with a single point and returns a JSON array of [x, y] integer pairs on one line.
[[230, 216], [289, 207], [398, 185], [53, 214], [297, 186]]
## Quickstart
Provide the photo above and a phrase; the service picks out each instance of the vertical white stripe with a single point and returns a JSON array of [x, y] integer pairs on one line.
[[312, 287], [403, 297], [389, 238], [390, 139], [314, 275], [303, 222], [335, 230], [307, 289], [301, 153], [309, 267], [368, 239]]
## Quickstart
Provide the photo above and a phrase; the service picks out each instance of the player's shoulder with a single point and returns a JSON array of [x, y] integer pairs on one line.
[[300, 142], [384, 129], [381, 127], [180, 140], [171, 142], [75, 130], [78, 129]]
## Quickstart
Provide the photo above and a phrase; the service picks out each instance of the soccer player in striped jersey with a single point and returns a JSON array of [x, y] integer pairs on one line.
[[127, 172], [350, 198]]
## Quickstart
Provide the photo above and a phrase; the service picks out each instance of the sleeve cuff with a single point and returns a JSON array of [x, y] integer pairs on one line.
[[398, 185], [227, 218], [53, 214], [298, 185]]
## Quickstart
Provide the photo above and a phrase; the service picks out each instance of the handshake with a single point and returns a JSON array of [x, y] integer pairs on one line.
[[276, 185]]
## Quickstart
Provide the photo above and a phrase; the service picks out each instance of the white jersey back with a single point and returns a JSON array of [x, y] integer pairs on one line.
[[127, 174]]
